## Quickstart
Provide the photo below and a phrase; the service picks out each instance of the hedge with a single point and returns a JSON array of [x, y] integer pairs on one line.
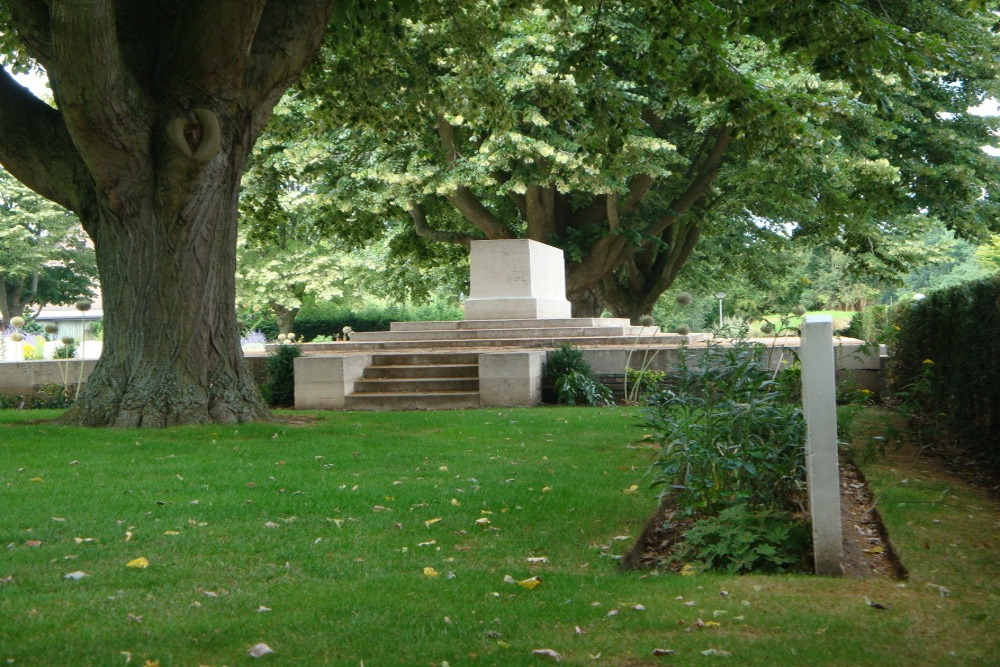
[[947, 360]]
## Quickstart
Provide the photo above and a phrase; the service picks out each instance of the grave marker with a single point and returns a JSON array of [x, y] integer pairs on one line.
[[819, 404]]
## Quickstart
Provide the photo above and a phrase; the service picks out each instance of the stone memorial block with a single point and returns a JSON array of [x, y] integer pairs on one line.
[[516, 279]]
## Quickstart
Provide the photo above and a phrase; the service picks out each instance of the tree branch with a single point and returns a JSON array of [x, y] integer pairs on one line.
[[37, 150], [609, 253], [33, 25], [469, 205], [424, 230], [289, 33], [104, 109], [705, 175]]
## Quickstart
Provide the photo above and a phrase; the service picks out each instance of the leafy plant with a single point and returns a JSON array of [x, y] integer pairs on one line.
[[741, 539], [642, 382], [727, 434], [570, 374], [279, 391], [576, 387]]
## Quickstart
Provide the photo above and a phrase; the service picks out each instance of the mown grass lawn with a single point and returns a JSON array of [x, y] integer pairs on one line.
[[392, 538]]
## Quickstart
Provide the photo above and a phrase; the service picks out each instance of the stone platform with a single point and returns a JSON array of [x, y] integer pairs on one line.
[[496, 363]]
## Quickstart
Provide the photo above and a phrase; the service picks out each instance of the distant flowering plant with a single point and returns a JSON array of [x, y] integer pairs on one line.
[[254, 337]]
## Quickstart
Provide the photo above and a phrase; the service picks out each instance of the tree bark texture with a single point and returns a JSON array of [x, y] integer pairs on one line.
[[158, 104]]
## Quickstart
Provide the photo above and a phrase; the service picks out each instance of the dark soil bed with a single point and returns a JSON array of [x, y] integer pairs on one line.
[[868, 552]]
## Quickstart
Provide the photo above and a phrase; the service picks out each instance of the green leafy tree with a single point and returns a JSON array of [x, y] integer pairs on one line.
[[157, 106], [44, 256], [623, 132]]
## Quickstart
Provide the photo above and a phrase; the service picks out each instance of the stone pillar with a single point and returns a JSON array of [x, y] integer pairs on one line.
[[516, 279], [508, 379], [819, 404]]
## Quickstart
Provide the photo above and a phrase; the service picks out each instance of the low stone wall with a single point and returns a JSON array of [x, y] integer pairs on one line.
[[857, 366], [25, 378]]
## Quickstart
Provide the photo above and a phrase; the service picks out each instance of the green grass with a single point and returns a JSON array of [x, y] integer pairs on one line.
[[362, 503]]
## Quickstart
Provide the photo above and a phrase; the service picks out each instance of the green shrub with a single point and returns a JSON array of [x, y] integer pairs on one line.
[[743, 540], [727, 434], [279, 391], [579, 388], [946, 363], [641, 383], [568, 378]]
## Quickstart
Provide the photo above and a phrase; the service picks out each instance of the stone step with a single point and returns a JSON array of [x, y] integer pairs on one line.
[[426, 359], [446, 400], [501, 334], [659, 340], [422, 371], [451, 325], [416, 385]]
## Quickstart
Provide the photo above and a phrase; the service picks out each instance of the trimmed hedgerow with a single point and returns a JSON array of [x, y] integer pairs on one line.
[[947, 362]]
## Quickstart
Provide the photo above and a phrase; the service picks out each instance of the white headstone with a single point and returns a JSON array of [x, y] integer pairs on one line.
[[819, 404], [516, 279]]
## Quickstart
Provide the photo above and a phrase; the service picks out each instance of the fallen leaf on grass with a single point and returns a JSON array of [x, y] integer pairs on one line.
[[547, 653], [578, 630], [32, 543], [431, 572], [134, 618], [630, 490], [271, 524], [75, 576], [717, 651], [483, 521], [538, 560], [6, 580], [660, 652], [942, 591], [171, 532], [875, 550], [36, 480], [530, 583], [260, 650], [875, 605], [431, 522], [141, 563], [262, 609]]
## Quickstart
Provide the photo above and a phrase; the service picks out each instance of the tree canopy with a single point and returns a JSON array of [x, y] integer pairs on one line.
[[44, 256], [625, 131]]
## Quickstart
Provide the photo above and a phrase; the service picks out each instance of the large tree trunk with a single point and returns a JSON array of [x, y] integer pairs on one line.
[[171, 347], [158, 107]]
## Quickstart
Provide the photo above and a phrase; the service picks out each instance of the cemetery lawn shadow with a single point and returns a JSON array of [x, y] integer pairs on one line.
[[416, 538]]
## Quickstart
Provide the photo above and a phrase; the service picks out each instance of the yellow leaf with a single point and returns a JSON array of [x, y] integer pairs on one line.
[[431, 522], [875, 550], [140, 562], [482, 522], [712, 624], [546, 489], [431, 572], [170, 532], [688, 570], [36, 479], [455, 502], [530, 583], [631, 489]]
